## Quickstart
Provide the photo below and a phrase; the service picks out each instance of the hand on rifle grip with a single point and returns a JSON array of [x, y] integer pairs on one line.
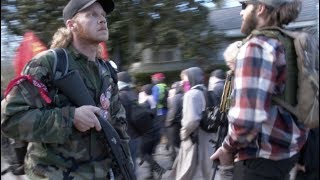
[[85, 118], [222, 156], [216, 163]]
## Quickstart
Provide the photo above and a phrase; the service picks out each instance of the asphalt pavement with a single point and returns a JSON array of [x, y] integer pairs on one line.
[[161, 156], [10, 176]]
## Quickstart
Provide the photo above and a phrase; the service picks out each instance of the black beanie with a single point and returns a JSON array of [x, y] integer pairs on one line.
[[219, 73], [124, 77], [147, 89]]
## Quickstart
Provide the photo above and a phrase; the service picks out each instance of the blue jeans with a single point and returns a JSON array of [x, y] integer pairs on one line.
[[134, 147]]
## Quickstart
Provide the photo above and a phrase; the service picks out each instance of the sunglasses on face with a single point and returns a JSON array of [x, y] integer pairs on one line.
[[244, 5]]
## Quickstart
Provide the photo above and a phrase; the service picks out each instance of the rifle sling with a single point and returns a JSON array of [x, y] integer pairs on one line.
[[226, 93]]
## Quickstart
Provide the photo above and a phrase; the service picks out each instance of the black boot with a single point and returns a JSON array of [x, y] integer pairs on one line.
[[157, 170], [18, 168]]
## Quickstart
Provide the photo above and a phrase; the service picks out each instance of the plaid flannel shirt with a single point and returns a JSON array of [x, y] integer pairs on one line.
[[258, 128]]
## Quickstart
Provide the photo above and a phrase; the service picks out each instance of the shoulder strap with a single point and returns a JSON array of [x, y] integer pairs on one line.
[[113, 71], [205, 94], [61, 62], [291, 82]]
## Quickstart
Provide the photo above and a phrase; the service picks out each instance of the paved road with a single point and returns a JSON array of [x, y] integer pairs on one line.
[[9, 176], [161, 156]]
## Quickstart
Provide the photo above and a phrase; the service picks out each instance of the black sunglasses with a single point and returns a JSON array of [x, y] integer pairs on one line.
[[243, 5]]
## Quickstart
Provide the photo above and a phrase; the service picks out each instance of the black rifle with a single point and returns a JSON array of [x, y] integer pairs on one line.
[[221, 132], [222, 120], [74, 88]]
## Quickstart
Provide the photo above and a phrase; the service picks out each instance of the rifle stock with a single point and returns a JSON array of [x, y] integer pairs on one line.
[[74, 88]]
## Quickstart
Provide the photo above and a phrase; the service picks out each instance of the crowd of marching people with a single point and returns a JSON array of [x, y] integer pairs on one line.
[[177, 110], [188, 146]]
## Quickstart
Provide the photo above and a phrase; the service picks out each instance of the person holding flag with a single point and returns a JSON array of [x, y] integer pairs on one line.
[[29, 47]]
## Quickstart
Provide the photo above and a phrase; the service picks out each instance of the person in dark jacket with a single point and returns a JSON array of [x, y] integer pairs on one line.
[[128, 96], [174, 116], [215, 87], [151, 138]]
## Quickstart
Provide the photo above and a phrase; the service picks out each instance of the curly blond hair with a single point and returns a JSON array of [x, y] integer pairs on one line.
[[62, 38]]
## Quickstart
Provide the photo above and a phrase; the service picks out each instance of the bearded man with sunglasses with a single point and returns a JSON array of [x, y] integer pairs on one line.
[[263, 140]]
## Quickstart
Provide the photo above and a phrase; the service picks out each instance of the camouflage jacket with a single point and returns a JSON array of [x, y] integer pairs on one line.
[[56, 149]]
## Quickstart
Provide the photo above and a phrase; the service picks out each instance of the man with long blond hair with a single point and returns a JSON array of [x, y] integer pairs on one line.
[[263, 140], [62, 38], [66, 141]]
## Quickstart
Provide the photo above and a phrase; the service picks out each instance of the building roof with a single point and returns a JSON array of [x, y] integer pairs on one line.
[[228, 20], [161, 66]]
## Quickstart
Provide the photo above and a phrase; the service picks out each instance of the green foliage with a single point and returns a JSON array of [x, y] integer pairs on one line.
[[42, 17], [153, 23], [158, 24]]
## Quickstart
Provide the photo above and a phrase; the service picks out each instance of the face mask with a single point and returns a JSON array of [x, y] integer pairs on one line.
[[186, 86]]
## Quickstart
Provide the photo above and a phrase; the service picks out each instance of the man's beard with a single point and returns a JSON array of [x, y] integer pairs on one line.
[[250, 23], [82, 32], [85, 35]]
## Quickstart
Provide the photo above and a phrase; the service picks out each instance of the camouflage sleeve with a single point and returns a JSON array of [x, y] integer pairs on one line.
[[26, 116]]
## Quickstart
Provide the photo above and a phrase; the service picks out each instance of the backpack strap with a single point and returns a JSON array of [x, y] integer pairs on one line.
[[291, 82], [113, 71], [205, 94], [61, 63]]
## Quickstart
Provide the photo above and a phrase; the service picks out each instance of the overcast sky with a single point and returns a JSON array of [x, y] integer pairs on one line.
[[229, 3]]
